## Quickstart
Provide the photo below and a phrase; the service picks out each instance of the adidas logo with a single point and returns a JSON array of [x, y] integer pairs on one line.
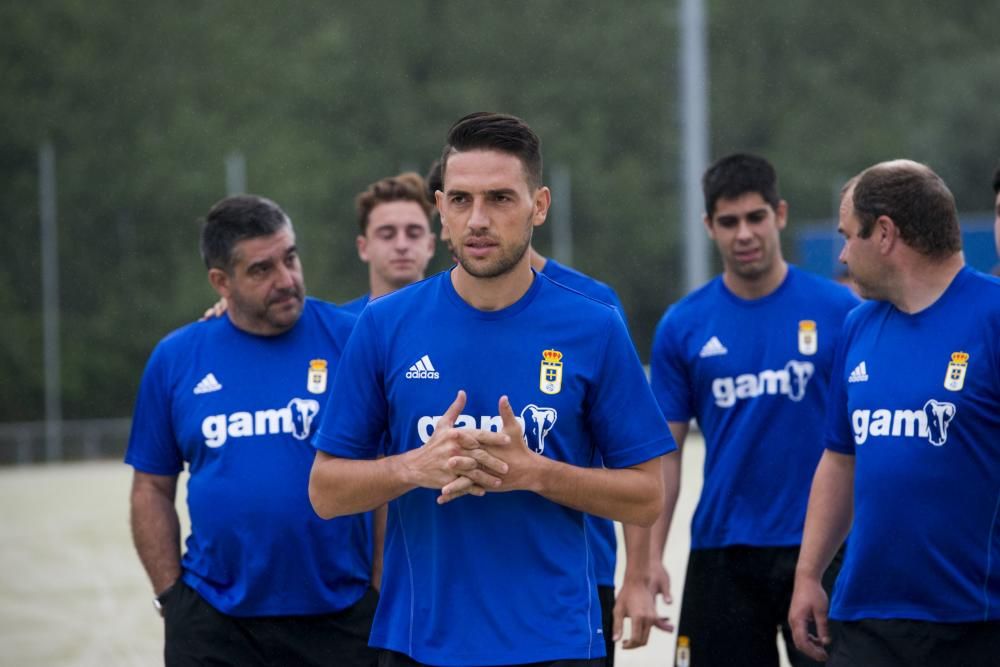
[[713, 348], [207, 385], [422, 370], [859, 374]]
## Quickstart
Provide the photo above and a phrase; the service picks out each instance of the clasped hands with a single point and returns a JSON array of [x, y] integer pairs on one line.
[[467, 461]]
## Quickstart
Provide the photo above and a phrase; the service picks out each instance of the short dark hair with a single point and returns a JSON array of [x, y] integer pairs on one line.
[[917, 201], [434, 181], [485, 130], [408, 186], [737, 174], [996, 180], [236, 219]]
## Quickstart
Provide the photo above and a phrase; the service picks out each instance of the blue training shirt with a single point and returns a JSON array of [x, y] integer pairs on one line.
[[355, 306], [239, 410], [507, 578], [916, 400], [755, 374], [600, 531]]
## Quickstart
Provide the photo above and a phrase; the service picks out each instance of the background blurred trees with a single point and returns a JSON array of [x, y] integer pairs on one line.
[[143, 101]]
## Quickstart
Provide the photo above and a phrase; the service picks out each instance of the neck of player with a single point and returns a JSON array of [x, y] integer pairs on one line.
[[757, 286], [497, 293], [919, 286]]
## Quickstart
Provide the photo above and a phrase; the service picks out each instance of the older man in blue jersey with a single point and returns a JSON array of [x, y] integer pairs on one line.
[[487, 560], [749, 356], [912, 460], [263, 581]]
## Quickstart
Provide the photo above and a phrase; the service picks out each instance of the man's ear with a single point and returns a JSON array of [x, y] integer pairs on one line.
[[888, 233], [219, 280], [543, 200], [362, 244]]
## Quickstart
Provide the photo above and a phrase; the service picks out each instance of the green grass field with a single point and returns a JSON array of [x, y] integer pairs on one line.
[[72, 591]]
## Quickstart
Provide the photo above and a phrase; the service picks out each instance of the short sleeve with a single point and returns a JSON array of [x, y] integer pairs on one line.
[[669, 373], [623, 417], [839, 436], [354, 421], [152, 443]]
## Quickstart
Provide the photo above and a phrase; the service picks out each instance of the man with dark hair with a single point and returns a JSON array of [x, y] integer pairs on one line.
[[749, 357], [263, 580], [395, 239], [538, 377], [600, 531], [912, 460]]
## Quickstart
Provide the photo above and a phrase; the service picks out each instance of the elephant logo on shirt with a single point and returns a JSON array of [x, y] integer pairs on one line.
[[537, 424], [302, 411], [939, 415]]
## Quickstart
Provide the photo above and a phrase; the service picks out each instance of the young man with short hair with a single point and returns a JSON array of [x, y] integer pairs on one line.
[[749, 356], [487, 560], [396, 241], [912, 460]]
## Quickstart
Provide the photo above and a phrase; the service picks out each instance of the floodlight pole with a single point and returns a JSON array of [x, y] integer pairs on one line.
[[694, 138], [50, 301]]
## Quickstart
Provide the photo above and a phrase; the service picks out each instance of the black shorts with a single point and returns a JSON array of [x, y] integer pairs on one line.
[[393, 659], [904, 643], [198, 634], [606, 594], [735, 601]]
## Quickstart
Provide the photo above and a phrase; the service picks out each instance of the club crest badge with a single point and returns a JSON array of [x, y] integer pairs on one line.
[[808, 337], [316, 384], [550, 378], [954, 379]]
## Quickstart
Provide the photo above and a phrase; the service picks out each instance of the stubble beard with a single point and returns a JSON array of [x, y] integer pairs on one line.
[[503, 264]]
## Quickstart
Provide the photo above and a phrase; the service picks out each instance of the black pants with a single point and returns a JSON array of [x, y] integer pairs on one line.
[[906, 643], [606, 594], [198, 634], [393, 659], [735, 601]]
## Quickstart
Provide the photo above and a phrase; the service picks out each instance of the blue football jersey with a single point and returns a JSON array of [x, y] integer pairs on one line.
[[355, 306], [507, 578], [755, 375], [239, 410], [916, 400], [600, 531]]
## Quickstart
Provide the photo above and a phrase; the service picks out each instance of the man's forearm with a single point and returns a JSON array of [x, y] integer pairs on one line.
[[156, 530], [630, 495], [829, 514], [338, 487]]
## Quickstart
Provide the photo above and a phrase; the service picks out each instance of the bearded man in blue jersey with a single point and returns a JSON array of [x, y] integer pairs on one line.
[[912, 461], [749, 356], [263, 580], [487, 560], [633, 602]]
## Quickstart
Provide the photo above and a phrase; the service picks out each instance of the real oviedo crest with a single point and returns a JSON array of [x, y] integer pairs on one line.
[[550, 377]]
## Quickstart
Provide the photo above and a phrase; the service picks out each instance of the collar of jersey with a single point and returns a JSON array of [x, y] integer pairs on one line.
[[760, 301], [510, 311]]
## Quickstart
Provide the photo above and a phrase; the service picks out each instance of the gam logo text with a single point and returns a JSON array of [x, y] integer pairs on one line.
[[789, 381], [931, 422], [296, 419]]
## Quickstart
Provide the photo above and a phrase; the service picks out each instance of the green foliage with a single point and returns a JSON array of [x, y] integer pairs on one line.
[[143, 101]]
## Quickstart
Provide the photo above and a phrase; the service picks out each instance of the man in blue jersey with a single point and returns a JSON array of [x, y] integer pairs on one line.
[[263, 580], [496, 386], [632, 602], [749, 356], [912, 460], [395, 239]]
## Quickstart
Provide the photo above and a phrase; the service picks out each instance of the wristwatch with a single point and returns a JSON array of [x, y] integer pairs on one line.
[[158, 600]]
